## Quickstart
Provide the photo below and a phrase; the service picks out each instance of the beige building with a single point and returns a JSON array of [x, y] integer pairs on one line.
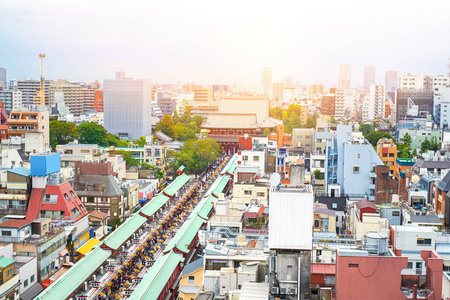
[[72, 153], [303, 137], [21, 122], [244, 192], [202, 94], [78, 99]]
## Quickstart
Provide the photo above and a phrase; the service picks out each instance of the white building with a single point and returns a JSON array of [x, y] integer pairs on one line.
[[254, 158], [377, 99], [127, 107], [391, 81], [339, 103], [422, 81], [441, 111], [369, 76], [345, 76]]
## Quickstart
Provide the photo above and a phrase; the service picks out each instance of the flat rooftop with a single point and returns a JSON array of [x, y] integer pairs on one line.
[[408, 228]]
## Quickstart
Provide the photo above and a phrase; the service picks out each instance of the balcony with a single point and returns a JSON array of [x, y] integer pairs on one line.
[[9, 286]]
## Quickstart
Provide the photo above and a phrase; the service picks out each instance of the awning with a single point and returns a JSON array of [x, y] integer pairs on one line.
[[142, 200], [88, 246], [327, 269], [63, 252]]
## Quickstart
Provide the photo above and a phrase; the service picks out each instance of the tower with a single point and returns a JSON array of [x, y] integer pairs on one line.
[[42, 56]]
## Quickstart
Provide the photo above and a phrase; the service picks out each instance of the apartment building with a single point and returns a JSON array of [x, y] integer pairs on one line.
[[303, 137], [387, 151], [203, 94], [21, 122], [11, 99]]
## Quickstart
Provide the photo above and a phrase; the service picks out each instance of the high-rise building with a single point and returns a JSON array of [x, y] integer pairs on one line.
[[2, 79], [328, 103], [423, 98], [315, 89], [422, 81], [267, 78], [278, 90], [79, 100], [345, 76], [98, 101], [377, 99], [127, 107], [30, 89], [120, 74], [391, 81], [12, 100], [369, 76], [339, 103]]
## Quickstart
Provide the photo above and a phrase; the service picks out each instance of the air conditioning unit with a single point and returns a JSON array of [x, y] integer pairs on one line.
[[293, 291], [283, 291], [274, 290]]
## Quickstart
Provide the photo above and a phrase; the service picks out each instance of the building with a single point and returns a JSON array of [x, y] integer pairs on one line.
[[278, 91], [30, 89], [127, 107], [203, 94], [403, 169], [387, 186], [339, 103], [345, 76], [98, 190], [391, 81], [304, 138], [328, 105], [267, 78], [98, 101], [352, 157], [11, 99], [423, 98], [369, 76], [22, 122], [9, 283], [441, 112], [167, 102], [191, 280], [364, 218], [290, 240], [377, 99], [3, 84], [315, 89], [71, 153], [422, 81], [387, 151]]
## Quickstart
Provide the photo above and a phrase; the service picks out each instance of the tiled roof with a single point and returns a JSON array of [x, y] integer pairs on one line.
[[98, 214], [119, 236], [185, 235], [364, 204], [444, 185], [192, 267], [15, 223], [176, 184]]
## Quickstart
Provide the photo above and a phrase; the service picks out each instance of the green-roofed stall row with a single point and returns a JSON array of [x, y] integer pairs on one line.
[[73, 278], [124, 232], [154, 205], [176, 184], [185, 235], [222, 183], [155, 280], [204, 207], [233, 160]]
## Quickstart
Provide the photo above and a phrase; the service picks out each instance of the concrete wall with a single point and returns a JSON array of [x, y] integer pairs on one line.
[[28, 271]]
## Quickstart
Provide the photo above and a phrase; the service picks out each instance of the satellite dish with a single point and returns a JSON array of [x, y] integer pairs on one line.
[[275, 179], [356, 126], [415, 179]]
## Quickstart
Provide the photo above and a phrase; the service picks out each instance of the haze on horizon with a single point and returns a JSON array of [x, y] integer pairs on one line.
[[222, 42]]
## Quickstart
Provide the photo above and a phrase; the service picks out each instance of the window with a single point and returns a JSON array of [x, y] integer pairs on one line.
[[32, 279], [330, 280], [391, 191], [68, 151], [395, 213], [353, 265], [84, 151], [6, 233], [410, 265], [355, 169], [334, 205], [10, 272], [72, 194], [25, 283], [44, 227], [67, 197], [90, 199], [418, 265], [50, 198], [247, 192], [423, 242], [255, 158], [260, 194], [244, 157], [191, 279]]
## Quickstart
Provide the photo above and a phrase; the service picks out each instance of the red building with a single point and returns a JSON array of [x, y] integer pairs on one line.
[[322, 275], [98, 101], [365, 207], [3, 132]]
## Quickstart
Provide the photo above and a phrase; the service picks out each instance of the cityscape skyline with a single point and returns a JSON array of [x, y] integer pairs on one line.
[[207, 44]]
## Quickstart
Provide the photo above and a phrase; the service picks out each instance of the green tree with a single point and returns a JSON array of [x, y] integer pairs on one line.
[[140, 141], [333, 120], [266, 131], [175, 117], [92, 133], [276, 113], [297, 109], [130, 161], [425, 146], [366, 129], [62, 133], [198, 120], [375, 136], [166, 126], [311, 122], [113, 140], [407, 139]]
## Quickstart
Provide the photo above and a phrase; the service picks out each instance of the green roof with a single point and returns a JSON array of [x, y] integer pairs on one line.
[[4, 262], [176, 184], [119, 236], [232, 168], [157, 277], [185, 235], [154, 205], [229, 164], [203, 207], [73, 278], [223, 182]]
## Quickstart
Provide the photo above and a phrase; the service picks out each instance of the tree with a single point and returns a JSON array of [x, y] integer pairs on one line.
[[93, 133], [366, 129], [166, 126], [198, 120], [425, 146], [311, 121], [407, 139], [130, 161], [375, 136], [276, 113], [266, 131], [113, 140], [175, 117], [333, 120], [62, 133], [140, 141]]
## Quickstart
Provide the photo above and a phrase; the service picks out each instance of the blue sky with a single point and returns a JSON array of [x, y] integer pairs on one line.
[[223, 41]]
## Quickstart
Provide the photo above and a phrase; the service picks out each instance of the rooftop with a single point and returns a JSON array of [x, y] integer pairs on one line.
[[4, 262], [16, 223], [411, 228]]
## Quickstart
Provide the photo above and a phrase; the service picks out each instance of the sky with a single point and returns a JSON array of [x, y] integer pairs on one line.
[[223, 42]]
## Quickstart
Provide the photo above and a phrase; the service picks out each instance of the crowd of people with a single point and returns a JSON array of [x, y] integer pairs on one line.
[[146, 255]]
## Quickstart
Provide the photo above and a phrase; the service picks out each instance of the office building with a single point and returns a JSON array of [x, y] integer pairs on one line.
[[423, 98], [391, 81], [369, 76], [345, 76], [267, 78], [278, 91], [3, 85], [328, 104], [127, 107], [303, 138], [315, 89], [422, 81]]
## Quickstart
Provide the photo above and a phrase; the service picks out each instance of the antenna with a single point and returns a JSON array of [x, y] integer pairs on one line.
[[42, 56]]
